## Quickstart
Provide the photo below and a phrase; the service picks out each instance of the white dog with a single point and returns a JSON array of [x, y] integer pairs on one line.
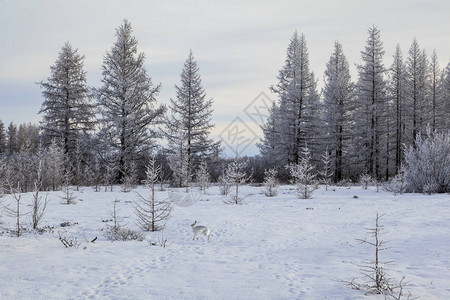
[[197, 229]]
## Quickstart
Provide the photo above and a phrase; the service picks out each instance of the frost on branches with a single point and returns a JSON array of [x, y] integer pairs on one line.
[[236, 176], [203, 176], [126, 103], [270, 182], [303, 176], [152, 214], [427, 164]]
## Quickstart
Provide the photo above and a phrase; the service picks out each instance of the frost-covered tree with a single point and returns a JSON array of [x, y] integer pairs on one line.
[[437, 101], [371, 103], [338, 96], [12, 138], [303, 175], [203, 176], [397, 184], [130, 179], [427, 163], [416, 85], [235, 175], [179, 160], [55, 166], [152, 214], [67, 110], [445, 94], [191, 110], [298, 102], [224, 184], [38, 203], [327, 171], [270, 182], [2, 138], [397, 95], [127, 102], [269, 145]]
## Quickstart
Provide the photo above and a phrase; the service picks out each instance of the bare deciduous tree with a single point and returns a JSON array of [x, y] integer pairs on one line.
[[376, 280], [39, 204]]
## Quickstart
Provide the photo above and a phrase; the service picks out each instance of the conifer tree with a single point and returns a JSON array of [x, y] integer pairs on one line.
[[12, 138], [67, 111], [2, 138], [445, 94], [127, 102], [191, 110], [269, 145], [416, 69], [437, 103], [298, 101], [397, 93], [338, 110], [371, 99]]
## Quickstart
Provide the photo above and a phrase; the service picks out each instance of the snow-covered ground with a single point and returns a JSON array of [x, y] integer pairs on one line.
[[267, 248]]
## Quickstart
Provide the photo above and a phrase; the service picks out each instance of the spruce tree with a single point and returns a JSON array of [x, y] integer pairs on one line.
[[127, 102], [67, 110]]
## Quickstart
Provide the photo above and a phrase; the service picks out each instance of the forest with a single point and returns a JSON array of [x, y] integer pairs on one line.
[[391, 121]]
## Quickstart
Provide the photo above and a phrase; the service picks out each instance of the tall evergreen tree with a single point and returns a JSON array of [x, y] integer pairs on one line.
[[12, 138], [416, 87], [67, 111], [397, 87], [298, 101], [127, 102], [338, 95], [269, 145], [371, 91], [437, 107], [2, 138], [191, 111], [445, 95]]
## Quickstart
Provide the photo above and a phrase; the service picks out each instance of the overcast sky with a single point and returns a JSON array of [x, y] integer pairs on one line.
[[240, 45]]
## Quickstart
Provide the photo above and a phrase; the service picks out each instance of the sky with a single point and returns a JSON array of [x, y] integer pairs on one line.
[[240, 46]]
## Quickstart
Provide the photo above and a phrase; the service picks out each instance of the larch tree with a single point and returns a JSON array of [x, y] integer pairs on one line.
[[190, 112], [298, 101], [179, 159], [397, 93], [416, 85], [127, 102], [338, 96], [12, 138], [269, 145], [2, 138], [67, 110], [371, 99], [445, 94], [437, 107]]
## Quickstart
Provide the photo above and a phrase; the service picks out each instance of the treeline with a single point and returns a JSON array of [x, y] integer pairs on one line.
[[105, 135], [363, 127]]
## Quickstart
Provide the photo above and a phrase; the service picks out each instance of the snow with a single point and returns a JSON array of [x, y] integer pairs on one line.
[[267, 248]]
